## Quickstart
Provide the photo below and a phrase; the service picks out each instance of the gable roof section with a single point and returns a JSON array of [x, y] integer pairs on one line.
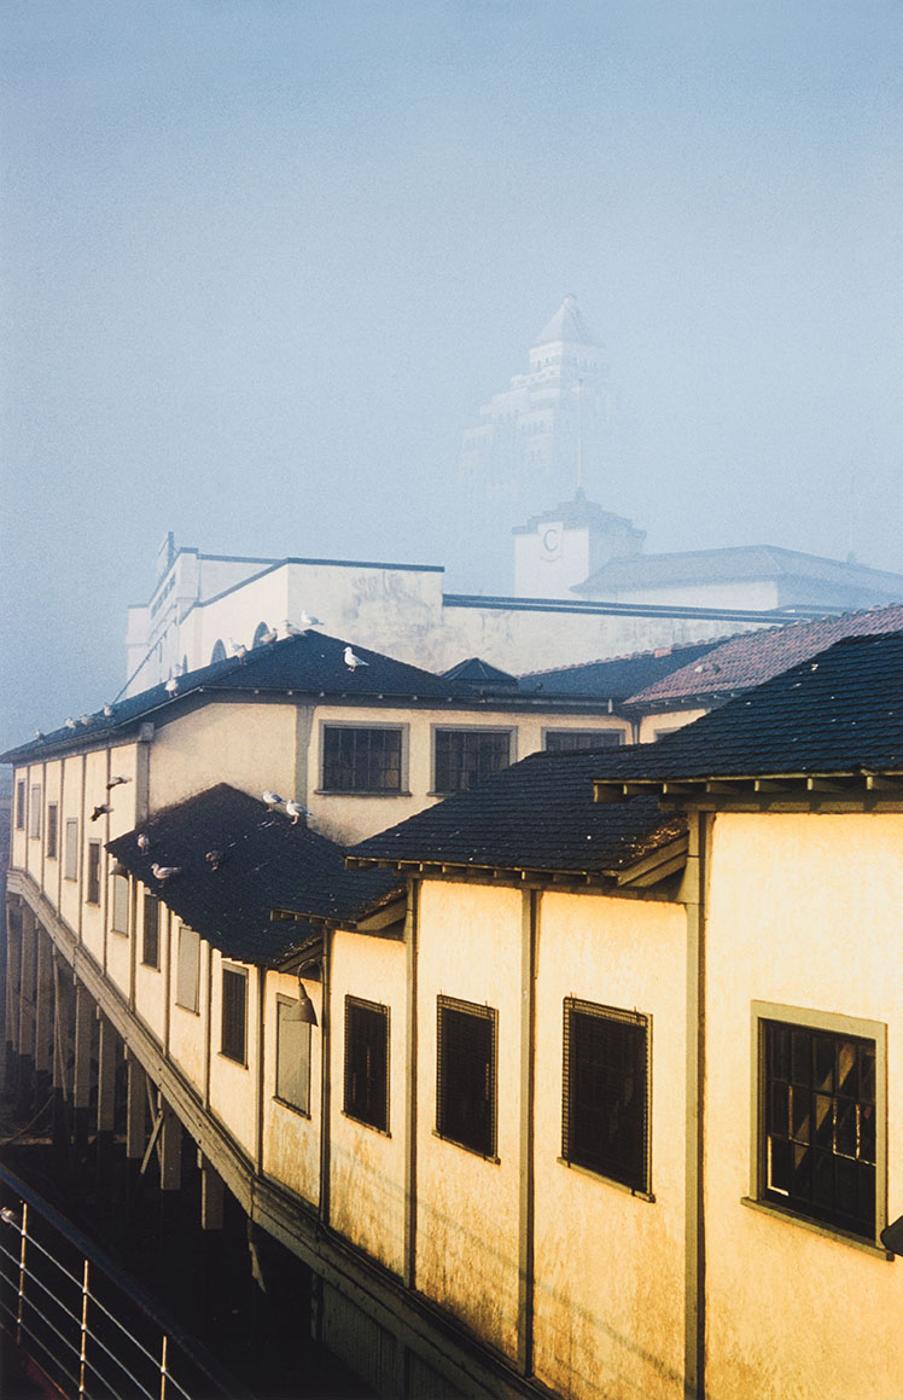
[[838, 714], [732, 564], [265, 863], [537, 816], [474, 671], [617, 677], [754, 657]]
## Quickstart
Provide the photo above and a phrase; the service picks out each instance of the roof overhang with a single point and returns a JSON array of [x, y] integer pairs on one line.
[[839, 786]]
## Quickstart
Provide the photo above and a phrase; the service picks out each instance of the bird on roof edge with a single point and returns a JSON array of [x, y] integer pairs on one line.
[[165, 872], [353, 661], [272, 799], [238, 649], [296, 810], [143, 843]]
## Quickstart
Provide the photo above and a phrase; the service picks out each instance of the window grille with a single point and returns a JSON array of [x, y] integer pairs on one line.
[[20, 806], [119, 918], [150, 948], [53, 828], [35, 812], [367, 1062], [605, 1092], [235, 1014], [464, 757], [466, 1092], [567, 740], [71, 864], [92, 894], [818, 1124], [188, 970], [361, 760], [292, 1058]]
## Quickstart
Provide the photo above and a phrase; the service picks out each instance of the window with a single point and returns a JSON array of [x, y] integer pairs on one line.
[[150, 950], [463, 757], [361, 760], [218, 653], [235, 1014], [567, 740], [53, 830], [292, 1057], [818, 1124], [20, 806], [466, 1075], [71, 862], [188, 969], [605, 1092], [119, 919], [367, 1062], [34, 829], [92, 895]]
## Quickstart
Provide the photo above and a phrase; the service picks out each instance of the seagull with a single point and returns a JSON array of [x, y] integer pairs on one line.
[[116, 782], [172, 686], [101, 811], [296, 811], [39, 734], [239, 649], [143, 843], [84, 719], [270, 635], [307, 622], [291, 630], [108, 711], [352, 661], [214, 859], [165, 872], [272, 799], [70, 723]]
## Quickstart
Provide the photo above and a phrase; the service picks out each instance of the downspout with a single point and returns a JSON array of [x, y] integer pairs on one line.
[[692, 896], [325, 1078], [412, 923]]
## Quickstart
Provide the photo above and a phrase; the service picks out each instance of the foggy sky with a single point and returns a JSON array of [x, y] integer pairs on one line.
[[262, 261]]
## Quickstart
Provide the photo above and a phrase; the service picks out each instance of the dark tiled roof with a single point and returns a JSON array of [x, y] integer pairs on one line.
[[743, 562], [840, 712], [537, 815], [479, 673], [754, 657], [312, 664], [266, 863], [616, 678]]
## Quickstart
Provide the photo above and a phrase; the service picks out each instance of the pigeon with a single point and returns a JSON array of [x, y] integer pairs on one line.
[[272, 799], [165, 872], [307, 622], [296, 811], [172, 686], [116, 782], [108, 711], [214, 859], [101, 811], [352, 661], [143, 843], [238, 649], [270, 635]]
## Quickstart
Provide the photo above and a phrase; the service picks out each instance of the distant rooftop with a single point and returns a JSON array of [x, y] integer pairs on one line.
[[736, 564], [567, 324]]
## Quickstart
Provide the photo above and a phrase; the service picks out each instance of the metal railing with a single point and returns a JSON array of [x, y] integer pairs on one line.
[[91, 1328]]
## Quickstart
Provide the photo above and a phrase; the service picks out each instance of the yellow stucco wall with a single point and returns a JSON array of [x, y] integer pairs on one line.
[[151, 983], [291, 1140], [804, 911], [609, 1267], [467, 1207], [666, 721], [367, 1177], [250, 746], [233, 1086]]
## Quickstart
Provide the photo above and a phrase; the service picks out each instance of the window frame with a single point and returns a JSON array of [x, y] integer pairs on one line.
[[360, 1003], [484, 1013], [195, 1009], [93, 880], [552, 731], [465, 729], [640, 1187], [115, 894], [71, 857], [835, 1024], [402, 729], [21, 802], [52, 833], [150, 901], [286, 1003], [36, 812], [235, 970]]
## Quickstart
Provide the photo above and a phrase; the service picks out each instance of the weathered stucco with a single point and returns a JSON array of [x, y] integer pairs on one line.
[[291, 1140]]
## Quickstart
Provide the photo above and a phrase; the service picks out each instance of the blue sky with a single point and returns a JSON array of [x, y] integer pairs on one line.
[[262, 261]]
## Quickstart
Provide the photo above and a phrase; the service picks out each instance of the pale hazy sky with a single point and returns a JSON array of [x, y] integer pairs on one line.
[[263, 259]]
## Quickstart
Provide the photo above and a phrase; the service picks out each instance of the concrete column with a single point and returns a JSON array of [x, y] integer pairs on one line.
[[212, 1197], [61, 1088], [170, 1150], [26, 1011], [13, 965], [44, 1029], [136, 1112], [85, 1016], [107, 1060]]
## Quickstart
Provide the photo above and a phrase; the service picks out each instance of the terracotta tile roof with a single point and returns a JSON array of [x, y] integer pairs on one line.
[[754, 657]]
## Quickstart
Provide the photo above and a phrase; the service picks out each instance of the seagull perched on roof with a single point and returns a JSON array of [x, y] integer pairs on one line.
[[295, 810], [270, 635], [108, 711], [238, 649], [143, 843], [165, 872], [352, 661], [84, 719], [70, 723], [101, 811], [214, 859], [306, 622], [172, 685], [272, 799], [39, 734], [116, 782]]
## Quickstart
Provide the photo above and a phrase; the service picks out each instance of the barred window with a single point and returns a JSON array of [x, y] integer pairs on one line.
[[92, 893], [20, 806], [119, 918], [35, 812], [367, 1062], [292, 1057], [71, 863], [235, 1014], [464, 757], [53, 829], [818, 1124], [605, 1092], [150, 947], [466, 1074], [361, 760], [567, 740], [188, 969]]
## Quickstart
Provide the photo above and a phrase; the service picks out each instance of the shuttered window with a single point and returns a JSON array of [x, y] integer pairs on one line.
[[567, 740], [119, 918], [466, 1074], [150, 948], [92, 893], [188, 969], [464, 757], [53, 830], [20, 806], [605, 1092], [367, 1062], [235, 1014], [71, 867], [361, 760], [35, 812], [292, 1057]]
